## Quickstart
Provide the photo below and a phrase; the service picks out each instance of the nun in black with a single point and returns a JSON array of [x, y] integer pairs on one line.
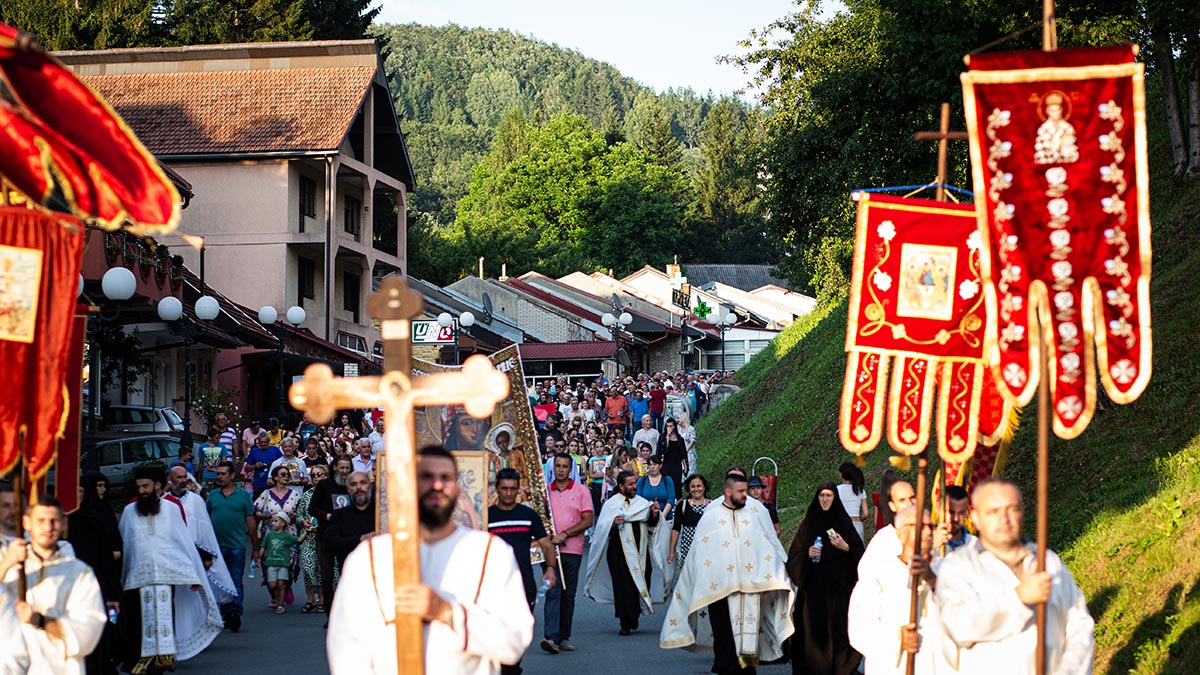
[[93, 532], [825, 578]]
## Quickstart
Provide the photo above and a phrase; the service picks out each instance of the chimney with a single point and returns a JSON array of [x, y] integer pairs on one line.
[[503, 271], [481, 267]]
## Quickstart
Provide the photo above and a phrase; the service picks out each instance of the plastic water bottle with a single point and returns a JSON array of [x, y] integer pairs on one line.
[[251, 575], [819, 545], [545, 586], [112, 616], [624, 513]]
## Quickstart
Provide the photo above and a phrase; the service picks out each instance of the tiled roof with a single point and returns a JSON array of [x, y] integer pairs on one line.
[[238, 111], [565, 351], [745, 277]]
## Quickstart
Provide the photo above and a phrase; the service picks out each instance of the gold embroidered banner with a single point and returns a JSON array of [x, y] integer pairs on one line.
[[1058, 153], [916, 312]]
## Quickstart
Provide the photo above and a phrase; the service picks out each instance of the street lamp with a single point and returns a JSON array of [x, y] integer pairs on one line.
[[466, 320], [170, 310], [725, 324], [117, 285], [617, 323], [267, 316]]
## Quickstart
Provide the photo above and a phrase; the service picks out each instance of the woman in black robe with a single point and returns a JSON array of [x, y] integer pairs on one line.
[[821, 645], [673, 450], [95, 535]]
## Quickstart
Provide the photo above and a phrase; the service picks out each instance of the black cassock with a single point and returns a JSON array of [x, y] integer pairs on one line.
[[821, 644], [627, 603]]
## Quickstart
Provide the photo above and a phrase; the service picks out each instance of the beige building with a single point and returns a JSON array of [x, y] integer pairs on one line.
[[298, 164]]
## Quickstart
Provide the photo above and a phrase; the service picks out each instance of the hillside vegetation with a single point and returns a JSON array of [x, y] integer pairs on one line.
[[1125, 496]]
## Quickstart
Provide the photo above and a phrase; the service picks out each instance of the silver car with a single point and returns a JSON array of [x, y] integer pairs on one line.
[[141, 418], [115, 455]]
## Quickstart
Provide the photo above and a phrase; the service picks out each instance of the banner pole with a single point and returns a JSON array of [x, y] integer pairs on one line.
[[915, 581], [1049, 44]]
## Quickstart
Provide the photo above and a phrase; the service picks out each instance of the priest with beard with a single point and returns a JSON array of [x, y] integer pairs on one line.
[[620, 554], [329, 496], [471, 598], [169, 613], [200, 527], [824, 577], [733, 597]]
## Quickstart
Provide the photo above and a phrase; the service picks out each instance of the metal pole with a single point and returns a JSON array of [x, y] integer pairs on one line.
[[185, 439], [456, 328], [93, 375], [722, 347], [282, 393]]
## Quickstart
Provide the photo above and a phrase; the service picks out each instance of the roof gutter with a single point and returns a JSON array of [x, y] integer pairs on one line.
[[252, 154]]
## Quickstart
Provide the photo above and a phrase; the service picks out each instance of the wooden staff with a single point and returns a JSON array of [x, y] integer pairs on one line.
[[19, 504], [915, 582], [943, 503]]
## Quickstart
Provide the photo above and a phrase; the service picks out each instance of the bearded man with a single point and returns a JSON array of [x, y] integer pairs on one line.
[[620, 554], [329, 496], [735, 575], [352, 525], [468, 579], [199, 525], [61, 616], [169, 611]]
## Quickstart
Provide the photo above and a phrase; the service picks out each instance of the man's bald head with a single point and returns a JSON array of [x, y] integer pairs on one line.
[[900, 496], [177, 479], [359, 486]]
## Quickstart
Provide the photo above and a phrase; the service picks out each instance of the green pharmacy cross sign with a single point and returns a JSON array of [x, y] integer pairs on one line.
[[702, 310]]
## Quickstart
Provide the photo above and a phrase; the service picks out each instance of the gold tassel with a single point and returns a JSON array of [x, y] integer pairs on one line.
[[901, 462], [859, 461]]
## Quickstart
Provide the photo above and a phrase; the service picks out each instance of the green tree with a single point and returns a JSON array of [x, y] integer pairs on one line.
[[648, 127]]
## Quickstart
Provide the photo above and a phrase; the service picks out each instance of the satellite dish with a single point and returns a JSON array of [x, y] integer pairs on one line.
[[487, 308], [623, 358], [616, 302]]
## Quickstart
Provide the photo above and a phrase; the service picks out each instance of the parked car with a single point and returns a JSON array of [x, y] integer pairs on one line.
[[140, 418], [116, 454]]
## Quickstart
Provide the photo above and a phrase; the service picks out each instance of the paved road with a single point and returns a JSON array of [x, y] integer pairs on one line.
[[295, 643]]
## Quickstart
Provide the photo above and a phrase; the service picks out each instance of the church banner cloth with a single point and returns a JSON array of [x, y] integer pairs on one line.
[[66, 149], [917, 314], [1058, 155], [40, 258]]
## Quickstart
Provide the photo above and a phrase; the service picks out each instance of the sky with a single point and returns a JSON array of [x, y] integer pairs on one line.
[[659, 43]]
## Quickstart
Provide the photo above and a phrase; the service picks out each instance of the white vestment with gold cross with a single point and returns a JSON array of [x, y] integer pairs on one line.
[[735, 558]]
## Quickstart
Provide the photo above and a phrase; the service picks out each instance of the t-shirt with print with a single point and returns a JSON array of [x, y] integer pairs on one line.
[[519, 528], [267, 456], [211, 457], [277, 548]]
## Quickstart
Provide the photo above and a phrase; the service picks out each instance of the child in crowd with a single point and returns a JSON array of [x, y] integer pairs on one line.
[[275, 555]]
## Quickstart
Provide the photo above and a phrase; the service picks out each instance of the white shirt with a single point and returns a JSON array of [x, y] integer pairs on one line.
[[361, 465], [879, 606], [852, 502], [65, 589], [377, 439], [648, 435], [990, 631], [472, 570]]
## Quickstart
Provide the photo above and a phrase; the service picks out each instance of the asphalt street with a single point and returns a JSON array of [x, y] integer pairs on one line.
[[295, 643]]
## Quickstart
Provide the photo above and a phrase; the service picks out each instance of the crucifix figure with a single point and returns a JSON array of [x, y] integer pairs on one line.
[[478, 387]]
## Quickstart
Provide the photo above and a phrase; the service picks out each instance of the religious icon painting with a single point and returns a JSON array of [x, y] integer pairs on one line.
[[916, 321], [20, 278], [1058, 154]]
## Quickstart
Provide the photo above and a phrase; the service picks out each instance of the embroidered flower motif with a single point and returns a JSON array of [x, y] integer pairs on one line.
[[1056, 175], [898, 332], [968, 289], [1123, 371], [1069, 408], [886, 230], [1061, 270], [882, 280], [1058, 207], [974, 241], [1014, 271], [1064, 300], [1060, 238], [1013, 333], [1017, 301], [1070, 362], [1068, 331], [1015, 375], [942, 337]]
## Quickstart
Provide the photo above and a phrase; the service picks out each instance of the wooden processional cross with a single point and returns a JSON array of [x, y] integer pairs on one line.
[[478, 387], [943, 136]]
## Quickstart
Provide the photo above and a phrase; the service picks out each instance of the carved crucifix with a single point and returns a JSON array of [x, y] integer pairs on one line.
[[942, 136], [478, 387]]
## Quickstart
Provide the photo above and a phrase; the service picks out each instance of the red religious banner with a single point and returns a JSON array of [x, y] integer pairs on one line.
[[1058, 153], [40, 258], [916, 312], [66, 150]]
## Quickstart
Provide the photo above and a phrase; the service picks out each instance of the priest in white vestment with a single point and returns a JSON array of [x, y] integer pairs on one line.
[[167, 605], [622, 567], [14, 656], [471, 598], [878, 622], [987, 591], [733, 597], [62, 615], [200, 527]]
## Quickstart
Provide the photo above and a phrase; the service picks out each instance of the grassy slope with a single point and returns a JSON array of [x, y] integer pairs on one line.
[[1124, 495]]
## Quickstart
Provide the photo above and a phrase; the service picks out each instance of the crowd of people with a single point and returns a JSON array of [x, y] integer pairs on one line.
[[635, 526]]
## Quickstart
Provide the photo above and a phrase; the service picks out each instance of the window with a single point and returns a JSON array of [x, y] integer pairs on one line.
[[352, 221], [110, 454], [308, 199], [306, 274], [136, 451], [350, 293], [352, 342]]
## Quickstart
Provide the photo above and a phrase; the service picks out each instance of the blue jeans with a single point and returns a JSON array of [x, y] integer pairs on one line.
[[235, 560], [560, 607], [656, 421]]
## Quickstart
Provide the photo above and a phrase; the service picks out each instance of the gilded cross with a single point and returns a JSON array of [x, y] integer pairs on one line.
[[478, 387]]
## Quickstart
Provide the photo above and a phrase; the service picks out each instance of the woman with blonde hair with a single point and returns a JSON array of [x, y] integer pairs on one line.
[[688, 433]]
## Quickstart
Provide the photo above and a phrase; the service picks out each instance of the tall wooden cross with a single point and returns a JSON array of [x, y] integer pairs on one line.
[[478, 387], [943, 136]]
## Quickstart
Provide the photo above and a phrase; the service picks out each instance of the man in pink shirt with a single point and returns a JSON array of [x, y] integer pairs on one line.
[[658, 403], [571, 508]]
